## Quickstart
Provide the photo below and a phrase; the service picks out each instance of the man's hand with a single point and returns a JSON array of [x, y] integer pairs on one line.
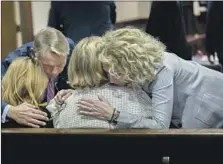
[[62, 96], [27, 114]]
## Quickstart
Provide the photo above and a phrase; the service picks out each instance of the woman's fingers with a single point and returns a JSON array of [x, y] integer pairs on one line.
[[92, 114], [84, 108], [102, 98]]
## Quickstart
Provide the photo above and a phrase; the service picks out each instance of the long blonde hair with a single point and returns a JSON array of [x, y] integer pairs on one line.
[[131, 53], [85, 70], [24, 81]]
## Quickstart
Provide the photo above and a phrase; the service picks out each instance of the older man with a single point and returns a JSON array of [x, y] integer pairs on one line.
[[53, 50]]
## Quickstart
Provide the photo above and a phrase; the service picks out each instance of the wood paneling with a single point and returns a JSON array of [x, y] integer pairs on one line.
[[164, 132], [26, 26], [8, 28]]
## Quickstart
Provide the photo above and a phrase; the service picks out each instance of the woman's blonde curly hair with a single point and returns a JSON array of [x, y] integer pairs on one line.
[[131, 54]]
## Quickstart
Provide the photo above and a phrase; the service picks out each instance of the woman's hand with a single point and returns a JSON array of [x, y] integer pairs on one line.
[[62, 96], [100, 109], [27, 114]]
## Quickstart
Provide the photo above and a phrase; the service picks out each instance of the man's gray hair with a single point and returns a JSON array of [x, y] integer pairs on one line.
[[51, 40]]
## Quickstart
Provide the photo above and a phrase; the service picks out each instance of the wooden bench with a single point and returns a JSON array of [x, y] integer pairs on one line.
[[99, 146]]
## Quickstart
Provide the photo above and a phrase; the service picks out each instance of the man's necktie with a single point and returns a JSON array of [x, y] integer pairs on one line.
[[50, 90]]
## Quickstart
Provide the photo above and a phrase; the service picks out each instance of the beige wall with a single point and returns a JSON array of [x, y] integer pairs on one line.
[[40, 14], [132, 10]]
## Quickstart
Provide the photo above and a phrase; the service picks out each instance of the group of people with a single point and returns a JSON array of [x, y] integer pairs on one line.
[[122, 79]]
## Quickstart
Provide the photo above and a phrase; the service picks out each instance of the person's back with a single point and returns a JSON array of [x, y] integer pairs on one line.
[[166, 23], [214, 29], [80, 19], [200, 87], [123, 98]]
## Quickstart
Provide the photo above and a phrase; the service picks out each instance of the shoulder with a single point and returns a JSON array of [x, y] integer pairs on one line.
[[71, 43], [22, 50], [163, 78], [18, 52], [71, 46]]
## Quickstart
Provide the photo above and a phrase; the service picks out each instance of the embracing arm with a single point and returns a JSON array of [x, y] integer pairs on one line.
[[57, 104], [162, 104]]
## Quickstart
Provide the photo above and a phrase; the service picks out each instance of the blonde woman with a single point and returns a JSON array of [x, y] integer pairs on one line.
[[86, 76], [25, 83], [183, 92]]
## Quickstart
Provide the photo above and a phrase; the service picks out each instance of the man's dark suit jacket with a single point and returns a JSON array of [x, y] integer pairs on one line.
[[23, 51], [166, 24], [214, 29], [80, 19]]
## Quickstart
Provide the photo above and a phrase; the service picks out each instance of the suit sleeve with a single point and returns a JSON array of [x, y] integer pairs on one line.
[[19, 52]]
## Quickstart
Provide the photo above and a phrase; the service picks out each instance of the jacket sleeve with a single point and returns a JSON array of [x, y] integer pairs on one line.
[[162, 105], [19, 52], [3, 105]]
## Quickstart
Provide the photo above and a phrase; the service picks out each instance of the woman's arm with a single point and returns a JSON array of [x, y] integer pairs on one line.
[[162, 105], [159, 116]]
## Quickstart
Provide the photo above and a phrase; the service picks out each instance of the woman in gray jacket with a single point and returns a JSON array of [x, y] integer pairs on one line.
[[183, 92]]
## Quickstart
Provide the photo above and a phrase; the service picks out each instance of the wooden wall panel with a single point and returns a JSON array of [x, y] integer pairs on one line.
[[8, 36], [26, 25]]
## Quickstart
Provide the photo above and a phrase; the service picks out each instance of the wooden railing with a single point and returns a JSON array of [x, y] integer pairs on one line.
[[47, 131], [66, 146]]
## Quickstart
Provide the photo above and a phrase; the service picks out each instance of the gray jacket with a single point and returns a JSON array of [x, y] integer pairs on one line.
[[186, 93]]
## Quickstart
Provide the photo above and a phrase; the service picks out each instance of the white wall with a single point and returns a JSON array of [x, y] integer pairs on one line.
[[144, 9], [132, 10], [40, 14], [126, 11]]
